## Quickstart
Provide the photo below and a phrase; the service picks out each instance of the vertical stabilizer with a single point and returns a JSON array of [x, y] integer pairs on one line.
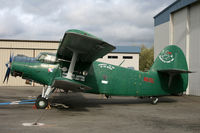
[[171, 57]]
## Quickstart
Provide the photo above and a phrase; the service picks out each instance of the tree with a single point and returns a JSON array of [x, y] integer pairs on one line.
[[146, 58]]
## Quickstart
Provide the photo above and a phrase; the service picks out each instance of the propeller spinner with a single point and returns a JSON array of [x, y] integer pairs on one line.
[[8, 65]]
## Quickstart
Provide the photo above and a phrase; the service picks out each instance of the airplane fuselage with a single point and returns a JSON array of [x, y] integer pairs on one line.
[[114, 80], [102, 78]]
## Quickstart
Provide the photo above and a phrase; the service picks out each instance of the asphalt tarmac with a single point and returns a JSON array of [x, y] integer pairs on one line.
[[89, 113]]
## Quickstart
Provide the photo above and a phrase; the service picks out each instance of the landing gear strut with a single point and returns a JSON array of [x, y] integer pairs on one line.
[[42, 100]]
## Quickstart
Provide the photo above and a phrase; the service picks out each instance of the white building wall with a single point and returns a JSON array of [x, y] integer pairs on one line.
[[29, 44], [194, 55], [161, 38], [127, 63], [179, 28]]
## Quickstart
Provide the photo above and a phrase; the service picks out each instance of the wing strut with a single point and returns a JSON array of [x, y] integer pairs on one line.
[[72, 65]]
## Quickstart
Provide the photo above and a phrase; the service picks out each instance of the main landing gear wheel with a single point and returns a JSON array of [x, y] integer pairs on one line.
[[41, 103], [154, 100], [107, 96]]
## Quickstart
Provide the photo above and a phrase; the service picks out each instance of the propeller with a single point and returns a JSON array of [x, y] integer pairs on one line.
[[8, 65]]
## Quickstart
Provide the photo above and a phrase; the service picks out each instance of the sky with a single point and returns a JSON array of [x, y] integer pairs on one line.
[[118, 22]]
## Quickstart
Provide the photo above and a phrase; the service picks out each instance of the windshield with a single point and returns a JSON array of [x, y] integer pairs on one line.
[[46, 58]]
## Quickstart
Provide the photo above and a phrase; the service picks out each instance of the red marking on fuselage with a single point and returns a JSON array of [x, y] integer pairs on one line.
[[150, 80], [146, 79]]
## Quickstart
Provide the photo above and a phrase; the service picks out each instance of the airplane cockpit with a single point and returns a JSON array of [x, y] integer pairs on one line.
[[50, 58], [45, 57]]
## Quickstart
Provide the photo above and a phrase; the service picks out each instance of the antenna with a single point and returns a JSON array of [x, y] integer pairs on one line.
[[121, 62]]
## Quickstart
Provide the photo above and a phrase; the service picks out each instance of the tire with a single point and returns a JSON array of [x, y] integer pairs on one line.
[[154, 100], [41, 103], [107, 96]]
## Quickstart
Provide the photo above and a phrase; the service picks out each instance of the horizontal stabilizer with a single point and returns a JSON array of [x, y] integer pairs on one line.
[[174, 71]]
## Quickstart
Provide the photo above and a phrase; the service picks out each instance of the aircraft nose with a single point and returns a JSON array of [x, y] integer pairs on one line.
[[19, 64]]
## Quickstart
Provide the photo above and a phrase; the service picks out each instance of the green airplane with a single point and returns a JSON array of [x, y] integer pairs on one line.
[[74, 67]]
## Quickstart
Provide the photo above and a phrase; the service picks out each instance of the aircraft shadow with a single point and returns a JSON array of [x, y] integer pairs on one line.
[[79, 102]]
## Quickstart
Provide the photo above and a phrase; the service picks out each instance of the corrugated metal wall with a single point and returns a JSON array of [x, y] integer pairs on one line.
[[195, 49], [28, 48], [179, 28]]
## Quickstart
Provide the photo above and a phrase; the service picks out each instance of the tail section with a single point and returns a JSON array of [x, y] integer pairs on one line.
[[172, 68], [171, 57]]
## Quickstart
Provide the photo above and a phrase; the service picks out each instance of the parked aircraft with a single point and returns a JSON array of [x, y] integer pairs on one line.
[[74, 67]]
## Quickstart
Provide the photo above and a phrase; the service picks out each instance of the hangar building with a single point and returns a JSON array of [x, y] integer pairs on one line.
[[179, 24], [127, 56]]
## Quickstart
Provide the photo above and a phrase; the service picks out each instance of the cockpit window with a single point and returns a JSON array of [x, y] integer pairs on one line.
[[46, 58]]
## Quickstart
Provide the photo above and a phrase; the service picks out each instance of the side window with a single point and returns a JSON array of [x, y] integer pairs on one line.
[[127, 57], [41, 58], [112, 57], [50, 59], [46, 58]]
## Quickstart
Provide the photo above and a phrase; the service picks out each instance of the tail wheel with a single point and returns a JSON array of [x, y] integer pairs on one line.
[[41, 103], [154, 100], [107, 96]]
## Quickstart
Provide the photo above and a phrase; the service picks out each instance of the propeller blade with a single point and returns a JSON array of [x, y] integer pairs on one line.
[[8, 65], [11, 58], [7, 75]]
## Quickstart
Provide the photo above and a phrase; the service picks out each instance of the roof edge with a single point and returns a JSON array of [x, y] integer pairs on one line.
[[126, 52], [19, 40], [166, 8]]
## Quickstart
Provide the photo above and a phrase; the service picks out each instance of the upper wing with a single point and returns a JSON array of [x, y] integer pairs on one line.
[[89, 47]]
